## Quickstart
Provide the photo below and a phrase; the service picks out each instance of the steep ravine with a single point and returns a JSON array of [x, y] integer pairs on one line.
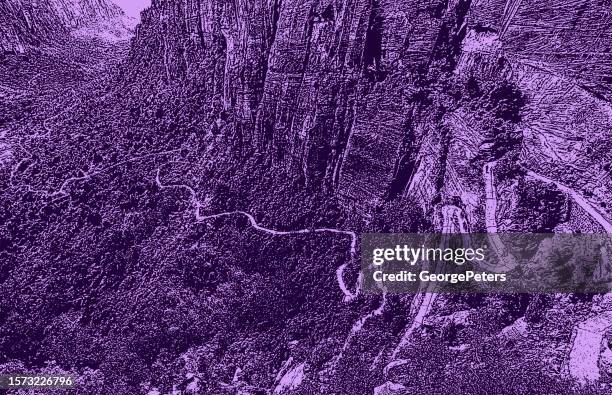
[[185, 217], [29, 24], [379, 101]]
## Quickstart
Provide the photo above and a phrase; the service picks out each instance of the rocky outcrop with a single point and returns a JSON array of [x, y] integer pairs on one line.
[[25, 24], [462, 104], [375, 99], [207, 205]]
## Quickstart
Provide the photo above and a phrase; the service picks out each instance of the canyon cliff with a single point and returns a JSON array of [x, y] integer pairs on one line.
[[187, 219], [375, 100], [489, 116], [25, 24]]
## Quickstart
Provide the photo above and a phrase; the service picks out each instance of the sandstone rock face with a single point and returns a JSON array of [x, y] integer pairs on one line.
[[476, 111], [28, 23], [188, 219], [24, 25], [380, 99]]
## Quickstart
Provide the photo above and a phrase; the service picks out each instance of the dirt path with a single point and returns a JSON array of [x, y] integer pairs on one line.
[[348, 295], [88, 175], [453, 222], [507, 262], [587, 206], [583, 357]]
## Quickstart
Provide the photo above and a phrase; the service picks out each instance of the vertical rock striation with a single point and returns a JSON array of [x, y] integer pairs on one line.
[[492, 116], [376, 99], [460, 105]]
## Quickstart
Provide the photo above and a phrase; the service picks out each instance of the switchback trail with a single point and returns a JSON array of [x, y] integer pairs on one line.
[[583, 358], [423, 301], [578, 198], [348, 295], [507, 261]]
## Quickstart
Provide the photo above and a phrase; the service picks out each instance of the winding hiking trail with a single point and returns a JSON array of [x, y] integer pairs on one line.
[[490, 198], [348, 295], [583, 358], [587, 206], [454, 221], [88, 175], [74, 99], [584, 354]]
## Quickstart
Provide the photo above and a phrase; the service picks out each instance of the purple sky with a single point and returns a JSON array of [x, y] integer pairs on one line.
[[133, 7]]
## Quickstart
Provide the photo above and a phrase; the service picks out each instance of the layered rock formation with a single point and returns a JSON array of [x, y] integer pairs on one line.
[[376, 100], [475, 110], [25, 24], [193, 225]]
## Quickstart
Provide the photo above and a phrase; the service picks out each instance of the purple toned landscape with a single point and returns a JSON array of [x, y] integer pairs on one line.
[[183, 192]]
